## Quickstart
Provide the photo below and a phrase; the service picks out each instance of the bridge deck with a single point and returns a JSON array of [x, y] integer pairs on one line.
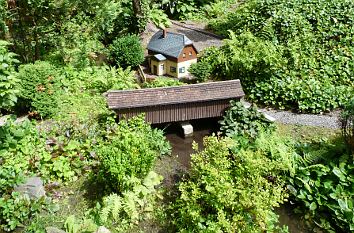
[[173, 104]]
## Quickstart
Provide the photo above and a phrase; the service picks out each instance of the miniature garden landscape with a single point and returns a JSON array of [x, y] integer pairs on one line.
[[69, 163]]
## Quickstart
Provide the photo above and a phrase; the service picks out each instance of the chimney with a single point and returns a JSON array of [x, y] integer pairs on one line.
[[164, 33]]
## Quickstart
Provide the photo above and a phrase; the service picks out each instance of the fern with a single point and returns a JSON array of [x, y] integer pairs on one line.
[[124, 210]]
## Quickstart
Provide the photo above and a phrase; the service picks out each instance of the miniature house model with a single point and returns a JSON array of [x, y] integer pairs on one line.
[[171, 54]]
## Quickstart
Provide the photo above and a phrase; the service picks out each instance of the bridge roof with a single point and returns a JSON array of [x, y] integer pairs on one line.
[[203, 92]]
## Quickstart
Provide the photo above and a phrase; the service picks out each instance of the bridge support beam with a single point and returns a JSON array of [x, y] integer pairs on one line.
[[187, 129]]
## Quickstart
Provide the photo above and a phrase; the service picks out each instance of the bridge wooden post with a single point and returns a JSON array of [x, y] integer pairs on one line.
[[187, 129]]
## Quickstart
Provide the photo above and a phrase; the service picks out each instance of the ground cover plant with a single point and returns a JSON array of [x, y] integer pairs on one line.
[[295, 55]]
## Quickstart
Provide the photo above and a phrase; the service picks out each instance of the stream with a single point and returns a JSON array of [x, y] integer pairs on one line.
[[182, 148]]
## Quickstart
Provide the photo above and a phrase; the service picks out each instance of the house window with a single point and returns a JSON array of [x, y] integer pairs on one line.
[[184, 55], [162, 67], [172, 69], [182, 70], [190, 54]]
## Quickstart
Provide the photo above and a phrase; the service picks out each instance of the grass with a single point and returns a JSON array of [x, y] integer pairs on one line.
[[303, 133]]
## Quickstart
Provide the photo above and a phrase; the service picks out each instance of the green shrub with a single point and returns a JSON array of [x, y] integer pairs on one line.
[[127, 51], [8, 81], [130, 152], [294, 55], [245, 122], [39, 87], [98, 79], [201, 70], [222, 193], [347, 123], [162, 82]]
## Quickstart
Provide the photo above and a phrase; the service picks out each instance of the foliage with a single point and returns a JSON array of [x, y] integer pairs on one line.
[[222, 191], [158, 17], [78, 44], [347, 123], [294, 54], [130, 152], [3, 27], [162, 82], [201, 70], [98, 79], [16, 208], [8, 81], [241, 121], [122, 211], [39, 85], [127, 51], [74, 225], [323, 185]]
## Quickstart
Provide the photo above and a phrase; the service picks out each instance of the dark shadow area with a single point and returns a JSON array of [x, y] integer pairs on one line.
[[181, 146]]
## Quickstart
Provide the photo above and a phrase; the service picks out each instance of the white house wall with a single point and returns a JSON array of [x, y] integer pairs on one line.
[[186, 65]]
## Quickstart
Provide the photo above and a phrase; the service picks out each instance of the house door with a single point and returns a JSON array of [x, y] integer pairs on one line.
[[155, 69]]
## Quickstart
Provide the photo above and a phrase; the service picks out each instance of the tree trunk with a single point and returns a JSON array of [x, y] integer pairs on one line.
[[137, 8]]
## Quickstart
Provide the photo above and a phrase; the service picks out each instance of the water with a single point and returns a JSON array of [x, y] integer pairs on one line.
[[182, 147]]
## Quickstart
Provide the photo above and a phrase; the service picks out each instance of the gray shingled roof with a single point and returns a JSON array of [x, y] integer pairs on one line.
[[172, 45], [202, 92]]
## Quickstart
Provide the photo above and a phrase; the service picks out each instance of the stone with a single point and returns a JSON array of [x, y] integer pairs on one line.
[[53, 230], [270, 118], [187, 129], [33, 187], [102, 229]]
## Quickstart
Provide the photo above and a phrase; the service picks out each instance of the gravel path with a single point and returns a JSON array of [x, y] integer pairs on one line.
[[327, 121]]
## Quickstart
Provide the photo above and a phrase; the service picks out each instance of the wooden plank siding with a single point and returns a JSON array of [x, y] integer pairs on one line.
[[178, 112]]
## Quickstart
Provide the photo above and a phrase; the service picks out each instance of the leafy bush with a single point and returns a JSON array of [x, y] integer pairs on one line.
[[201, 70], [39, 86], [130, 152], [347, 123], [127, 51], [162, 82], [8, 81], [245, 122], [290, 54], [222, 193], [323, 185]]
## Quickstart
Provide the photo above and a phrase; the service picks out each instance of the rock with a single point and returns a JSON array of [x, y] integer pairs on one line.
[[102, 229], [33, 187], [53, 230]]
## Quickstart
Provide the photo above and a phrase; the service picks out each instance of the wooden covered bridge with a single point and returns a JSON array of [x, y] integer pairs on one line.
[[176, 104]]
